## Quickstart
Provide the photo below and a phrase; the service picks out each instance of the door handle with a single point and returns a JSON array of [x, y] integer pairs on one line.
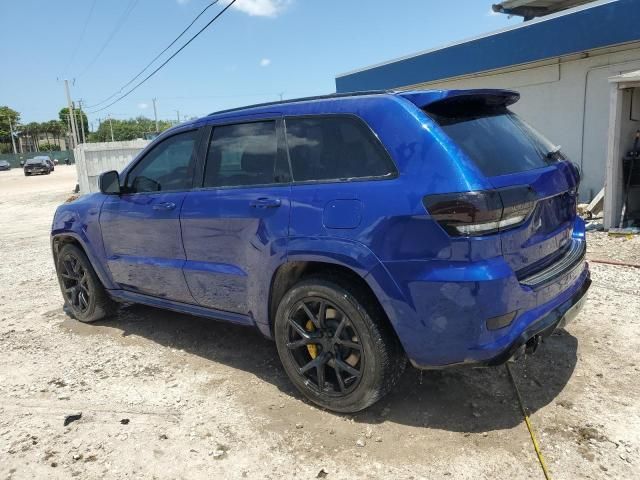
[[265, 202], [164, 206]]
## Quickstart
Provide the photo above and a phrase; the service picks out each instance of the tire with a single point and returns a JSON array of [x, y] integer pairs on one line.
[[26, 174], [84, 296], [357, 360]]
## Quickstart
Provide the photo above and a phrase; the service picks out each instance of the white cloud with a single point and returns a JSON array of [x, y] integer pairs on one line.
[[265, 62], [143, 106], [261, 8]]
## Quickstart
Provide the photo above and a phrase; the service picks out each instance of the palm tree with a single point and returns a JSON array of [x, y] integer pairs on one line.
[[57, 129], [31, 132]]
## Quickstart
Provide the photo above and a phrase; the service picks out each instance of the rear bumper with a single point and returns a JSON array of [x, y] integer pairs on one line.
[[442, 319], [559, 317]]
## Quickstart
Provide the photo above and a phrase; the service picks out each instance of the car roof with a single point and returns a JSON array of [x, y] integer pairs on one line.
[[421, 98]]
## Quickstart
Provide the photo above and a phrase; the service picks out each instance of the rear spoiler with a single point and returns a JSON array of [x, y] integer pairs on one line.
[[428, 99]]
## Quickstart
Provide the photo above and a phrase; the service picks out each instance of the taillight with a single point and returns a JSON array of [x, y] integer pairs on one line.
[[481, 212]]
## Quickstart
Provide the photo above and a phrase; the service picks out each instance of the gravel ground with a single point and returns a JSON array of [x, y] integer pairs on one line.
[[169, 396], [618, 248]]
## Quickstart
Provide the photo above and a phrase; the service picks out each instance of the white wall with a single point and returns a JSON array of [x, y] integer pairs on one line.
[[94, 158], [567, 100]]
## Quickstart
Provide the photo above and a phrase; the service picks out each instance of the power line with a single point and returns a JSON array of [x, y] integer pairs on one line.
[[156, 57], [168, 59], [79, 41], [118, 26]]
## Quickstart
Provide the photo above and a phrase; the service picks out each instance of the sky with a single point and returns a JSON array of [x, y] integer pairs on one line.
[[257, 51]]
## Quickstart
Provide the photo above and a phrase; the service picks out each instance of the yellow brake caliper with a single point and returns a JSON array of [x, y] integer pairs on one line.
[[311, 348]]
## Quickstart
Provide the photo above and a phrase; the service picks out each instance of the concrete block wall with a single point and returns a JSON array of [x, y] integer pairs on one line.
[[94, 158]]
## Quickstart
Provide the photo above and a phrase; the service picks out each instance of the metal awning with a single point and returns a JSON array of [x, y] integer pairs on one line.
[[535, 8]]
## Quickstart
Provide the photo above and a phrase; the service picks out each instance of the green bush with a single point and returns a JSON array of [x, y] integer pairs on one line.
[[49, 147]]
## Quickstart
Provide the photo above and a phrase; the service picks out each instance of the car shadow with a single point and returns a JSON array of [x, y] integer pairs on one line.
[[460, 400]]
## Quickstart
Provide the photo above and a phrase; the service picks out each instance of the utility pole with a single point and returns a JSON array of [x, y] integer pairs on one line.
[[178, 113], [74, 131], [69, 127], [111, 126], [13, 140], [155, 114], [84, 138]]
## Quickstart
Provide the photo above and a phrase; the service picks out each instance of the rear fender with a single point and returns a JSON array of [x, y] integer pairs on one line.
[[359, 259]]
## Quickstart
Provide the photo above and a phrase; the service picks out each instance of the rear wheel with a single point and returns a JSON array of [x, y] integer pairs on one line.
[[335, 345], [85, 297]]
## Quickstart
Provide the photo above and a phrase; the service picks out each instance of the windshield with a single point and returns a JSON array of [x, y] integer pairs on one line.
[[496, 139], [34, 161]]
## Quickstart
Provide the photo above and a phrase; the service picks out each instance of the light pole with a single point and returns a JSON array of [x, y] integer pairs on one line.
[[111, 126], [155, 114]]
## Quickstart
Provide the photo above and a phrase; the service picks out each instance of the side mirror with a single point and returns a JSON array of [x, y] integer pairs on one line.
[[110, 183]]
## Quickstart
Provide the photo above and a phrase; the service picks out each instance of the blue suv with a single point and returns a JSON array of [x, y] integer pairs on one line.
[[355, 230]]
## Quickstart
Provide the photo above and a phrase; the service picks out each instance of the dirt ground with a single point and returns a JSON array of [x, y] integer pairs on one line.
[[169, 396]]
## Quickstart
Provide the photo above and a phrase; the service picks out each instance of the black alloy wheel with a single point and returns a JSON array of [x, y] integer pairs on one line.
[[336, 344], [84, 295], [75, 280], [325, 346]]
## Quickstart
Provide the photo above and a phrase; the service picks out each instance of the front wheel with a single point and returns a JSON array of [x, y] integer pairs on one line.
[[336, 346], [84, 296]]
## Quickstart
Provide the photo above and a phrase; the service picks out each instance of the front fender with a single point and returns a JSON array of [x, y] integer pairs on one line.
[[79, 220], [103, 275]]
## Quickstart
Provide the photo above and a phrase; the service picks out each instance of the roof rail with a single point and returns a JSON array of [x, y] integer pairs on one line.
[[305, 99]]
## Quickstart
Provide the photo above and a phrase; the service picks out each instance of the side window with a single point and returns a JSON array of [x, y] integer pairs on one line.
[[243, 155], [335, 148], [168, 166]]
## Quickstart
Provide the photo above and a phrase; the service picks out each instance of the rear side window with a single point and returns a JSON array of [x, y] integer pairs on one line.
[[335, 148], [244, 154], [496, 139]]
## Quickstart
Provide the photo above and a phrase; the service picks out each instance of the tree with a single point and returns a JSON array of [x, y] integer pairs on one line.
[[7, 114], [57, 129], [64, 118], [126, 129], [31, 131]]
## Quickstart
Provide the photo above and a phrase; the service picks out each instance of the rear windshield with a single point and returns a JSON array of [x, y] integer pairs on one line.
[[34, 161], [496, 139]]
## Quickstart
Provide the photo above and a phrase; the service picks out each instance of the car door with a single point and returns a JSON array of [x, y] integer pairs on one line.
[[235, 227], [141, 227]]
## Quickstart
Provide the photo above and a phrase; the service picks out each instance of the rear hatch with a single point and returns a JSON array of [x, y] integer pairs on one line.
[[35, 166], [536, 185]]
